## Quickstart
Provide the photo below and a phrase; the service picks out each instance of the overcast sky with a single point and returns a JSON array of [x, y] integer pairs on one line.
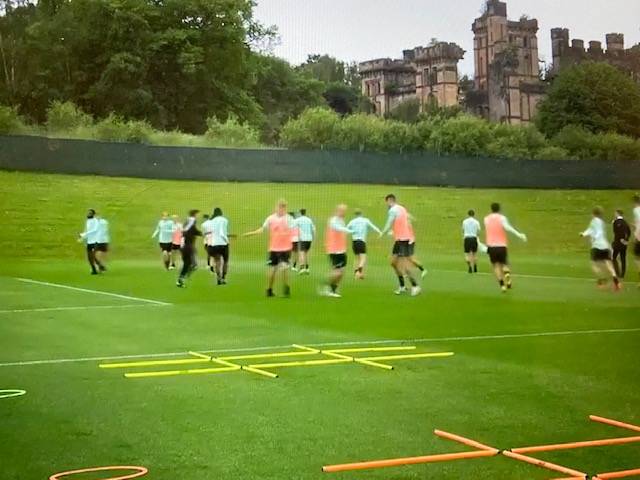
[[366, 29]]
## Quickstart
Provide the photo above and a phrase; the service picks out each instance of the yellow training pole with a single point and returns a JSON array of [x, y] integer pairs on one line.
[[372, 349], [308, 363], [198, 371], [357, 360], [268, 355], [574, 445], [264, 373], [154, 363], [405, 357]]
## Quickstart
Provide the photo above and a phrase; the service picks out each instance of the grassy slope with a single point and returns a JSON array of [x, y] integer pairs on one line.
[[503, 392]]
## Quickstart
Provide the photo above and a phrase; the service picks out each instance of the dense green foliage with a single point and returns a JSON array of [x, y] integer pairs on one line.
[[524, 370], [173, 64], [595, 96], [450, 132]]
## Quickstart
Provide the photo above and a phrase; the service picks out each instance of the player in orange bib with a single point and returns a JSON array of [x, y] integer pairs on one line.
[[398, 222], [496, 228], [336, 245], [280, 226]]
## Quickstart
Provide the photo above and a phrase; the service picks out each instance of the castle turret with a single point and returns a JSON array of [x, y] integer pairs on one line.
[[595, 47], [559, 44], [615, 42]]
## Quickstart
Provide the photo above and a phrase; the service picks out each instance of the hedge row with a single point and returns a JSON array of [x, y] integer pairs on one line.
[[461, 134]]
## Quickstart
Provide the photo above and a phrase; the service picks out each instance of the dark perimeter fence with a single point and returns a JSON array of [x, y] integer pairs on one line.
[[39, 154]]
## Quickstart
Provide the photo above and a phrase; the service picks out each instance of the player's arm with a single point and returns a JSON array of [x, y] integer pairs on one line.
[[507, 226], [390, 218], [374, 228], [338, 227], [258, 231], [156, 232], [86, 233], [589, 232]]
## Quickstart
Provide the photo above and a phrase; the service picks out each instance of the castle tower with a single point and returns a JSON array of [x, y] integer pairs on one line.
[[559, 46], [615, 42], [437, 74]]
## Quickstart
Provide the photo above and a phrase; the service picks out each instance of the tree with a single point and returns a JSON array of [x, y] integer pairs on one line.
[[282, 93], [594, 96]]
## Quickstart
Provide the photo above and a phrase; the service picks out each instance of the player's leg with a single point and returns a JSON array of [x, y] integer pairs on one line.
[[623, 262], [284, 272], [395, 264], [225, 263], [362, 263], [91, 259], [616, 264], [611, 271], [407, 269], [271, 278], [187, 259]]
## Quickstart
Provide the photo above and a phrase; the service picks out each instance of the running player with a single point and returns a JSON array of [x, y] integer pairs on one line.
[[176, 241], [496, 227], [470, 230], [89, 236], [336, 243], [164, 232], [206, 238], [398, 222], [360, 227], [189, 234], [636, 222], [413, 259], [306, 232], [601, 261], [102, 243], [295, 243], [280, 227], [219, 245], [621, 237]]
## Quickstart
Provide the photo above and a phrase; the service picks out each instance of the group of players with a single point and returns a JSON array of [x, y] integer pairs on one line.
[[291, 237]]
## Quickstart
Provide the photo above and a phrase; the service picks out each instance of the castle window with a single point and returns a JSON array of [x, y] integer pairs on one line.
[[526, 41]]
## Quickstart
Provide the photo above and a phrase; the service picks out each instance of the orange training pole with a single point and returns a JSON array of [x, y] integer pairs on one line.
[[463, 440], [543, 464], [614, 423], [623, 474], [447, 457], [570, 446]]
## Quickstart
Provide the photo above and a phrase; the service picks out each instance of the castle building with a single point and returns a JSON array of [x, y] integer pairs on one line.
[[566, 54], [428, 74], [507, 80]]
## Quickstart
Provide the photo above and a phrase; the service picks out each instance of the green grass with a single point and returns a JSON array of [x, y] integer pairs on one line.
[[507, 392]]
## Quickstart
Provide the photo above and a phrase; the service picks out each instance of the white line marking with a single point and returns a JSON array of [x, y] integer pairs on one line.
[[370, 342], [523, 275], [97, 292], [88, 307]]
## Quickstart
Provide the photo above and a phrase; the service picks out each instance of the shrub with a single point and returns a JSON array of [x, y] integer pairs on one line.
[[314, 128], [612, 146], [361, 132], [10, 121], [461, 135], [552, 153], [232, 133], [115, 129], [517, 142], [66, 117], [407, 111]]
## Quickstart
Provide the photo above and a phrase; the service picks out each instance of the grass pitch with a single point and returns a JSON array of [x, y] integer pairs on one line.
[[529, 367]]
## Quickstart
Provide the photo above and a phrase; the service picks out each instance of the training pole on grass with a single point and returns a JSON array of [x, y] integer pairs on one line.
[[622, 474], [614, 423], [397, 462], [543, 464]]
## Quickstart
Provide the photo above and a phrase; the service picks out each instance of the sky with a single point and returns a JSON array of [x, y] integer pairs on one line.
[[358, 30]]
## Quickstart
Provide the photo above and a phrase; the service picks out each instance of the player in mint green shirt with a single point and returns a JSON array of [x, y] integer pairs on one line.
[[164, 231], [360, 227]]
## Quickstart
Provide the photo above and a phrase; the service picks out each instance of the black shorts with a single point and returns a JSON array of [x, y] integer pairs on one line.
[[636, 249], [91, 247], [359, 247], [470, 245], [166, 247], [175, 246], [295, 246], [402, 248], [276, 258], [498, 255], [102, 247], [338, 260], [598, 255], [304, 246], [217, 251], [412, 249]]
